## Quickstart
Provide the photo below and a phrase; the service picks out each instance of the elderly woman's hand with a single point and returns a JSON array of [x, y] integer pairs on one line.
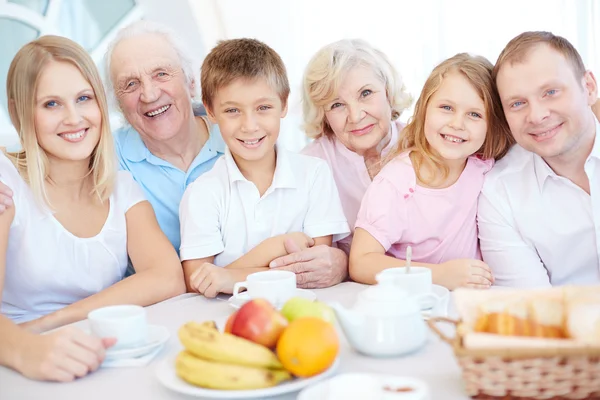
[[316, 267]]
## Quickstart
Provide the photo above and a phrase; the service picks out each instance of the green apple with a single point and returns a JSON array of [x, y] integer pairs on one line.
[[297, 307]]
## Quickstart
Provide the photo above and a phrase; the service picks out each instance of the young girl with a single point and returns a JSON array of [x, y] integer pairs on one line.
[[426, 194], [64, 244]]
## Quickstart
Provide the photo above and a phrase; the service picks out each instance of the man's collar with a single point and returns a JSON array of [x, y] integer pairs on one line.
[[134, 148]]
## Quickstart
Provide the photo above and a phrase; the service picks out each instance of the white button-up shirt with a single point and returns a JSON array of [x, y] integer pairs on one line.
[[539, 229], [222, 213]]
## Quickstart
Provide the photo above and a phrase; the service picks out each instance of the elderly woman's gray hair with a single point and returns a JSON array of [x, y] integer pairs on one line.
[[325, 71], [189, 64]]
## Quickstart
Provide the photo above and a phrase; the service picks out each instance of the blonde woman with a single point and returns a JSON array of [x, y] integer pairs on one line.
[[65, 243]]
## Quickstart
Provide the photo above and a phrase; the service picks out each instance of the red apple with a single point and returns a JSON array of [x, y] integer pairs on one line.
[[229, 322], [260, 322]]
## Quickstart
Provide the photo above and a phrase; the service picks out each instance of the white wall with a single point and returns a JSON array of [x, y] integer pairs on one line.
[[415, 34]]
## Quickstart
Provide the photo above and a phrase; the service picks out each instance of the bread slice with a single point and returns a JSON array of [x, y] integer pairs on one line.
[[547, 318]]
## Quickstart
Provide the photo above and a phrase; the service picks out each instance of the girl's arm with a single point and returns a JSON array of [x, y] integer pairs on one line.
[[368, 258], [158, 272]]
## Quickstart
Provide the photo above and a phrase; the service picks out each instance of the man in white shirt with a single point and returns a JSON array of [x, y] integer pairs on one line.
[[539, 211]]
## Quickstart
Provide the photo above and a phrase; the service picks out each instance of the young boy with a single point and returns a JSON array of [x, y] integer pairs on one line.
[[238, 215]]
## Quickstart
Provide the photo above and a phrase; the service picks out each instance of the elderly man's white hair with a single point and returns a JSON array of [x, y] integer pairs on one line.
[[145, 27]]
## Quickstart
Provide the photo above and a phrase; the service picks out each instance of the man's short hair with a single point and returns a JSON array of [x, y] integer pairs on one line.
[[518, 48]]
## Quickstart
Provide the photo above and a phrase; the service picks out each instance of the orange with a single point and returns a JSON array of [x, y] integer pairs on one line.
[[308, 346]]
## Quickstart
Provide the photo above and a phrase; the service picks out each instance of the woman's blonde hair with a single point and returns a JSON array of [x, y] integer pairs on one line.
[[21, 87], [478, 71], [327, 68]]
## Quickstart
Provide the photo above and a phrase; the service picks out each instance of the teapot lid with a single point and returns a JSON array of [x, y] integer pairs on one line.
[[386, 298]]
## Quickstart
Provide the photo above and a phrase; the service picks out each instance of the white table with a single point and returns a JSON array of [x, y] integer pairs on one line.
[[435, 364]]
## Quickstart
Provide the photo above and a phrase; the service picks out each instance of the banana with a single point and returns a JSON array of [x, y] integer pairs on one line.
[[212, 345], [210, 324], [216, 375]]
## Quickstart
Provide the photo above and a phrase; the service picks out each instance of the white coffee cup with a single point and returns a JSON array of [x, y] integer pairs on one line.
[[417, 282], [126, 323], [275, 286]]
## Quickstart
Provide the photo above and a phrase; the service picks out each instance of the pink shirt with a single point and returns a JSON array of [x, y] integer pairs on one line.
[[439, 224], [349, 172]]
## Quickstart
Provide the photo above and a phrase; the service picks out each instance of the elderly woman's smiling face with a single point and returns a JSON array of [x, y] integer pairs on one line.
[[360, 114], [151, 87]]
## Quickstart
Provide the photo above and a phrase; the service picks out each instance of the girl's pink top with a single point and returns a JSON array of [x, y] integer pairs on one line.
[[439, 224], [349, 172]]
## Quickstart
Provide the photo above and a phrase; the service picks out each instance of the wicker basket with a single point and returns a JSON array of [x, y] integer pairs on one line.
[[536, 374]]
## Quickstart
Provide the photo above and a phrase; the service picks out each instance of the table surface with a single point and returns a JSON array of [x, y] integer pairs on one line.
[[435, 363]]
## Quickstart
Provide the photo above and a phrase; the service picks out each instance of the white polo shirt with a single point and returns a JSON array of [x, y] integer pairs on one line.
[[222, 213], [539, 229]]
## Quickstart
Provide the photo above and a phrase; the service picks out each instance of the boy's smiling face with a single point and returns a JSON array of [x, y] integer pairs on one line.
[[249, 114]]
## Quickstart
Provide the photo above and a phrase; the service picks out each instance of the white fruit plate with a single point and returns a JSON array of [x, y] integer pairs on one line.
[[165, 372]]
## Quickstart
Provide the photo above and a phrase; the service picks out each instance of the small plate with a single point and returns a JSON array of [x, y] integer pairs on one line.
[[439, 291], [367, 386], [441, 308], [157, 336], [165, 372], [240, 299]]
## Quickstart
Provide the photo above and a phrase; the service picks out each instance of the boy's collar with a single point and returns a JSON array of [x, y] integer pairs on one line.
[[284, 176]]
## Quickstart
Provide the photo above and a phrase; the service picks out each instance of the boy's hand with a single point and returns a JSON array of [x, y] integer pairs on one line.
[[464, 273], [210, 280], [301, 240]]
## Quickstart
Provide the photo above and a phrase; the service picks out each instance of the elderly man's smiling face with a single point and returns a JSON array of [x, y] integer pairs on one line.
[[151, 87]]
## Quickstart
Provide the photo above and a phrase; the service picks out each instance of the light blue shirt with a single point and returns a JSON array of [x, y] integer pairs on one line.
[[162, 182]]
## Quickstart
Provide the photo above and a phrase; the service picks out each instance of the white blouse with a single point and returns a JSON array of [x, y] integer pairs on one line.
[[47, 267]]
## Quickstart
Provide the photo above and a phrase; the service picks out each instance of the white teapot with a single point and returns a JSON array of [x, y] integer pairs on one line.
[[385, 320]]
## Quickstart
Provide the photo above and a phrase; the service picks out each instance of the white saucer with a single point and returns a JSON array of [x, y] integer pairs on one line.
[[440, 309], [240, 299], [365, 386], [157, 336]]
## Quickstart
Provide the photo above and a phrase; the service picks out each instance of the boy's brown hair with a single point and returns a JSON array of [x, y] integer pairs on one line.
[[242, 59], [519, 47]]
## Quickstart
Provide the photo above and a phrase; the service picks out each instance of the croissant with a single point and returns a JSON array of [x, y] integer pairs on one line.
[[542, 318]]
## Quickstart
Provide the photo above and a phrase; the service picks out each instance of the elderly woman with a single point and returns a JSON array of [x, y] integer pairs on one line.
[[168, 142], [352, 96]]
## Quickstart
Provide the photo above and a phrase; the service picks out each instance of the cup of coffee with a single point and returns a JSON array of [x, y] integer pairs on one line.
[[417, 282], [275, 286], [126, 323]]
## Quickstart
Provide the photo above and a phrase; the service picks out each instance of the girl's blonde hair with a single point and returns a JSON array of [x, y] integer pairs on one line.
[[478, 71], [21, 87], [327, 68]]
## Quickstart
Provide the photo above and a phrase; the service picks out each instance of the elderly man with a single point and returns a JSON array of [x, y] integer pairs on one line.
[[168, 143], [539, 212]]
